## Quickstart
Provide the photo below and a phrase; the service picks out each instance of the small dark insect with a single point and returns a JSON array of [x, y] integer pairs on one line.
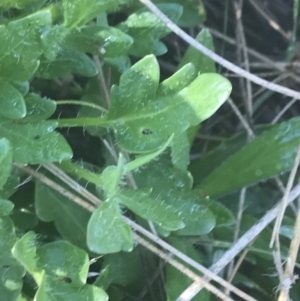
[[146, 132], [67, 279], [37, 137]]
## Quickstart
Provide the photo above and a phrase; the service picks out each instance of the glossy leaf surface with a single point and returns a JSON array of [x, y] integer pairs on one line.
[[11, 101], [35, 143], [11, 271], [57, 267], [6, 158], [157, 211], [67, 61], [144, 120], [175, 190], [20, 46], [6, 207], [107, 232], [146, 29], [193, 12], [70, 219], [268, 155], [77, 12], [102, 40], [38, 108], [202, 63]]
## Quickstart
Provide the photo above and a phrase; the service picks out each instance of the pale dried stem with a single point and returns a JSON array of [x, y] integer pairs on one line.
[[133, 225], [237, 266], [273, 23], [72, 183], [42, 178], [241, 118], [101, 79], [283, 110], [230, 271], [241, 244], [242, 55], [284, 201], [179, 266], [218, 59], [289, 277]]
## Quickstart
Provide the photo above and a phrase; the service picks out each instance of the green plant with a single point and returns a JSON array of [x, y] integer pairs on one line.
[[146, 126]]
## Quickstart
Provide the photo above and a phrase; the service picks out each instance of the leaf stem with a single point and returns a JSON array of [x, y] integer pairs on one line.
[[85, 121], [81, 103]]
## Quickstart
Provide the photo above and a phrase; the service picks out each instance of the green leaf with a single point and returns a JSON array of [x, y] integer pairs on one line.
[[177, 282], [67, 292], [11, 272], [52, 40], [111, 177], [10, 186], [202, 63], [6, 156], [146, 29], [141, 160], [178, 81], [144, 121], [102, 40], [20, 48], [80, 172], [22, 87], [173, 187], [270, 154], [202, 167], [57, 267], [193, 12], [127, 269], [11, 101], [62, 259], [223, 215], [157, 211], [67, 61], [22, 298], [6, 207], [70, 219], [107, 232], [35, 143], [77, 12], [181, 151], [103, 278], [18, 4], [24, 220], [24, 250], [38, 108], [121, 64]]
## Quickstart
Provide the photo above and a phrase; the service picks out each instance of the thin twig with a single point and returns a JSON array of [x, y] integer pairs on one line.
[[270, 20], [179, 266], [285, 198], [241, 244], [42, 178], [289, 276], [72, 183], [242, 52], [212, 55], [285, 108], [241, 118], [237, 266], [39, 176], [101, 78], [237, 230]]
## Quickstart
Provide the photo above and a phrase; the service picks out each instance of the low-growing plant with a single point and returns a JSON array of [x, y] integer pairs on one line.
[[107, 136]]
